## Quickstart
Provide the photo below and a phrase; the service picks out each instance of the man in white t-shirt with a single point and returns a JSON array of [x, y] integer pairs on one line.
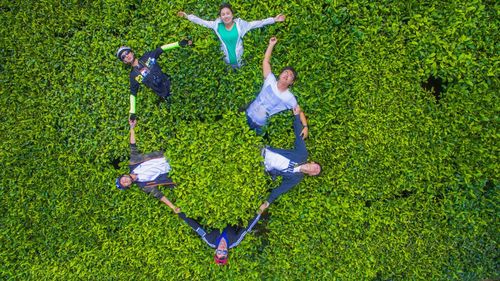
[[274, 96]]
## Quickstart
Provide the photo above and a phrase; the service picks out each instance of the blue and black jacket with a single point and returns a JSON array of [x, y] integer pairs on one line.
[[297, 155], [233, 234]]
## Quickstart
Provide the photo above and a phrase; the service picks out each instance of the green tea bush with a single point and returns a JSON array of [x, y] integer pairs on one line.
[[403, 107]]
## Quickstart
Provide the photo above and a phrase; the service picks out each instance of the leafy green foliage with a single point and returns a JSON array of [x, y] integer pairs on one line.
[[410, 182]]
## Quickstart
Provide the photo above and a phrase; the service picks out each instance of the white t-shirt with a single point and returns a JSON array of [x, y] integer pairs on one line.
[[270, 101], [275, 161], [151, 169]]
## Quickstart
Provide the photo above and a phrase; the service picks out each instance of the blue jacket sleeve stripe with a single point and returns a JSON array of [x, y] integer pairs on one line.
[[248, 229]]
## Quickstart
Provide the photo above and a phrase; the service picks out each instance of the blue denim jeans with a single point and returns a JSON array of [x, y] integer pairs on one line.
[[254, 126]]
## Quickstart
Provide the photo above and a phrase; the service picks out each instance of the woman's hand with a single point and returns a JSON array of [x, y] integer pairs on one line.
[[176, 209], [273, 41], [279, 18], [182, 14], [263, 207], [132, 123]]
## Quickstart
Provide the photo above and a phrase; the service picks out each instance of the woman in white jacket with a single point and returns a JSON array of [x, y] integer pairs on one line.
[[231, 31]]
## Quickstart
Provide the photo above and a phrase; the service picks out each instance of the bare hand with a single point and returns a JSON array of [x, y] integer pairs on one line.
[[296, 110], [263, 207], [273, 41], [176, 210], [132, 123], [181, 14], [279, 18], [304, 133]]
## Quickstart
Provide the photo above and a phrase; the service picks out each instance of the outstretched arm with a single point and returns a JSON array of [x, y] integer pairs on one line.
[[209, 238], [182, 43], [242, 232], [135, 154], [299, 129], [134, 88], [266, 63], [197, 20], [286, 184], [304, 130], [247, 26], [132, 107], [193, 224], [169, 204], [132, 124]]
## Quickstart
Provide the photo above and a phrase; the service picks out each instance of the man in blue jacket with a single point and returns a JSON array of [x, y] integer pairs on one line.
[[148, 171], [230, 237], [290, 164]]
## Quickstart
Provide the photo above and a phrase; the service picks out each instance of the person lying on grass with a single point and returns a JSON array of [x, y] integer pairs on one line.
[[146, 70], [290, 164], [148, 171], [274, 97], [230, 237], [230, 31]]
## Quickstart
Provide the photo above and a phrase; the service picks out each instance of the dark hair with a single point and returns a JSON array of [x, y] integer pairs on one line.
[[119, 185], [226, 5], [292, 70], [320, 168]]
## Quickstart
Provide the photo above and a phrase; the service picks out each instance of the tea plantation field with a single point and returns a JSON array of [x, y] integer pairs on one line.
[[402, 101]]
